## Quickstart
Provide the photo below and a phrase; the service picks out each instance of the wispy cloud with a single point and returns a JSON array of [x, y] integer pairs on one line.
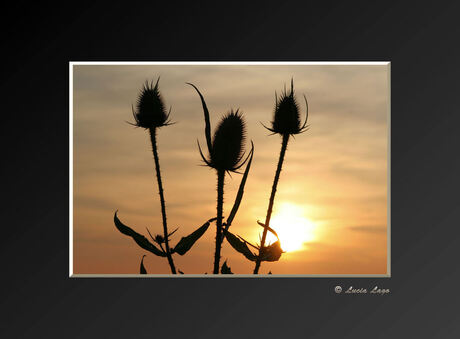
[[370, 229], [336, 170]]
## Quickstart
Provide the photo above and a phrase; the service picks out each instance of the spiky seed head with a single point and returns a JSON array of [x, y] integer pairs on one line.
[[286, 116], [228, 142], [271, 252], [226, 149], [159, 239], [150, 110]]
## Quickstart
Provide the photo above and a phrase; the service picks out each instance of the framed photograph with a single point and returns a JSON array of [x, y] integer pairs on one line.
[[230, 169]]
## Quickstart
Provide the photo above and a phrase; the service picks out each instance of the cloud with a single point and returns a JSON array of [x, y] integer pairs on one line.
[[381, 229]]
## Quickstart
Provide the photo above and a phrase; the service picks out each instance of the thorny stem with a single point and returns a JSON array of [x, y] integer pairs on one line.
[[162, 199], [220, 203], [272, 200]]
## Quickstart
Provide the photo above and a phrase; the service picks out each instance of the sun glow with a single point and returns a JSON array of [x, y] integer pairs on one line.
[[292, 227]]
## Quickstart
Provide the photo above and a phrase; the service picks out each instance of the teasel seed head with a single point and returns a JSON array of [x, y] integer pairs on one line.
[[226, 149], [150, 109], [159, 239], [228, 142], [286, 117]]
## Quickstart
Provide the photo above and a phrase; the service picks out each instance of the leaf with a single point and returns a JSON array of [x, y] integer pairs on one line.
[[239, 246], [239, 195], [268, 228], [207, 130], [306, 117], [138, 238], [143, 270], [225, 269], [272, 252], [247, 242], [202, 156], [187, 242], [170, 234], [181, 272], [269, 272]]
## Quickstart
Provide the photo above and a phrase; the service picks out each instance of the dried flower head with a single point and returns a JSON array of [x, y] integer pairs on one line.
[[228, 143], [226, 149], [159, 239], [150, 110], [286, 117]]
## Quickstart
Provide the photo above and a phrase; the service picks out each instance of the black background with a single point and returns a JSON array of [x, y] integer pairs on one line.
[[37, 297]]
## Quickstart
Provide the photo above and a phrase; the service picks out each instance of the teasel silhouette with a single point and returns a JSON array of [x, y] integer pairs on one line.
[[150, 114], [286, 122], [226, 155]]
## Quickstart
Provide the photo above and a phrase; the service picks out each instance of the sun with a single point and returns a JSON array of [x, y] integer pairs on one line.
[[292, 227]]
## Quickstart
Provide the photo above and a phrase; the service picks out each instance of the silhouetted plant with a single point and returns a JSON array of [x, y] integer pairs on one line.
[[225, 269], [225, 155], [226, 152], [182, 247], [286, 122], [150, 114], [142, 268]]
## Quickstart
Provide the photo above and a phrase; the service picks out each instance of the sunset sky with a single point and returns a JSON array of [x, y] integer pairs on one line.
[[331, 203]]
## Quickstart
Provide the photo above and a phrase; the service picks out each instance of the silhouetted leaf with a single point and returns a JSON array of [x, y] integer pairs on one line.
[[171, 233], [268, 228], [207, 130], [180, 272], [239, 246], [240, 193], [272, 252], [306, 116], [138, 238], [143, 270], [187, 242], [269, 272], [202, 155], [225, 269]]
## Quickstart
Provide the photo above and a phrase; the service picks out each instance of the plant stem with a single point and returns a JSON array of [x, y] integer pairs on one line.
[[272, 199], [220, 204], [162, 199]]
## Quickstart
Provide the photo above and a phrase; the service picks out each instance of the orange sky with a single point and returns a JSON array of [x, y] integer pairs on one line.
[[333, 186]]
